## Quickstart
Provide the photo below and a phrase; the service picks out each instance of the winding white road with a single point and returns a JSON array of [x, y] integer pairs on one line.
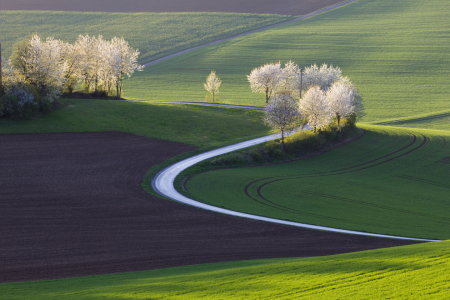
[[163, 182]]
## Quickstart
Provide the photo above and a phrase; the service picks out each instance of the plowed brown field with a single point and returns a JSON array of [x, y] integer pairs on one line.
[[71, 204], [281, 7]]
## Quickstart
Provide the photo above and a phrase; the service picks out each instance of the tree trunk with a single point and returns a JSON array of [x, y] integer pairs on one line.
[[1, 87], [267, 96], [338, 118], [119, 86], [96, 84]]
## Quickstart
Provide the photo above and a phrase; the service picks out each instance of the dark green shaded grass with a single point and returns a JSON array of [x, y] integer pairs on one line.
[[384, 182], [435, 120], [396, 52], [410, 272], [201, 126], [154, 34]]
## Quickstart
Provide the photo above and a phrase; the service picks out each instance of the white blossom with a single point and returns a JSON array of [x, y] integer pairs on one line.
[[290, 81], [123, 60], [265, 79], [45, 67], [323, 76], [315, 108], [282, 114], [212, 84], [343, 100]]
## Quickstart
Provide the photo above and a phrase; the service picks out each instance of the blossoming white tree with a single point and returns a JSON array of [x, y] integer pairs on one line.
[[212, 84], [40, 69], [45, 67], [73, 56], [123, 61], [282, 114], [323, 76], [265, 79], [101, 62], [314, 107], [290, 80], [343, 100]]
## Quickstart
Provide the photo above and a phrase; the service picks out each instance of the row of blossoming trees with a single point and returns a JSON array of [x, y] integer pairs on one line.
[[315, 95], [40, 70]]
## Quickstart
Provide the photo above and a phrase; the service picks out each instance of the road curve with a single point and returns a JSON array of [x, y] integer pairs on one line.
[[163, 184]]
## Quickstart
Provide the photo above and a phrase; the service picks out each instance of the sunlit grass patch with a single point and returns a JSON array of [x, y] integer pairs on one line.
[[408, 272], [199, 126]]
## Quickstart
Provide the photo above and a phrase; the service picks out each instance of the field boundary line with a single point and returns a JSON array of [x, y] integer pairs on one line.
[[163, 184], [314, 13], [199, 103]]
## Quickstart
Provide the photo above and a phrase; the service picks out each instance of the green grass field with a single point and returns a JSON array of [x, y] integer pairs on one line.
[[390, 181], [396, 52], [154, 34], [408, 272], [201, 126]]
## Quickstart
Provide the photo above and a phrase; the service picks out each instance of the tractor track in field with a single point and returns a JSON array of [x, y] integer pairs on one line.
[[332, 173], [329, 173], [269, 203]]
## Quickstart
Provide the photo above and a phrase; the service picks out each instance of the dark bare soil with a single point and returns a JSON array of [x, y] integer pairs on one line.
[[71, 204], [281, 7]]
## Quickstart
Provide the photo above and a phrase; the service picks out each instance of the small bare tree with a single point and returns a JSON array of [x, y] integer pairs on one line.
[[282, 114], [212, 84]]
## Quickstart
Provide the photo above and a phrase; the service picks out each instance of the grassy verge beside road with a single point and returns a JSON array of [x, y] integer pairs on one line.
[[390, 181]]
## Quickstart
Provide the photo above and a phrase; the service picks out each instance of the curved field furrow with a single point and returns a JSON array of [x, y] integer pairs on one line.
[[334, 172], [388, 187]]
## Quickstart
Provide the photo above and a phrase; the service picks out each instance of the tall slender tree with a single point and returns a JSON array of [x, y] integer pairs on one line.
[[123, 60], [212, 84]]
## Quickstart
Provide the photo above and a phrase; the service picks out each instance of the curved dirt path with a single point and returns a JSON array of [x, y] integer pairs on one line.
[[252, 31]]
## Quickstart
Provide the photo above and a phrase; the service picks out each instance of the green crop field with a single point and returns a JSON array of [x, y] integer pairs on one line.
[[408, 272], [396, 52], [390, 181], [393, 180], [201, 126], [154, 34]]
